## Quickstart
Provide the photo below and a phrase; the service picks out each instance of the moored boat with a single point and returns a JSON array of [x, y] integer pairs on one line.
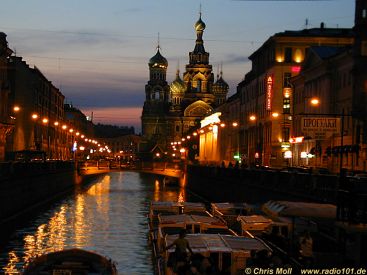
[[70, 262], [221, 253], [229, 211], [173, 224], [174, 208]]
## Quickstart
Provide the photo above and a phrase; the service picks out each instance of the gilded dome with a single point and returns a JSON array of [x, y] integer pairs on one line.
[[158, 60], [178, 85], [200, 25]]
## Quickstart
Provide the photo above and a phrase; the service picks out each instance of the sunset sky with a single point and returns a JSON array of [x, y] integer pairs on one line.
[[96, 52]]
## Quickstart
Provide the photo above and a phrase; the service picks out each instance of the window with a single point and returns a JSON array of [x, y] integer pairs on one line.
[[286, 105], [285, 134], [286, 80], [288, 55]]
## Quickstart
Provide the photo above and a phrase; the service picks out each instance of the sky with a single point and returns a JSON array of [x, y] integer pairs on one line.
[[97, 52]]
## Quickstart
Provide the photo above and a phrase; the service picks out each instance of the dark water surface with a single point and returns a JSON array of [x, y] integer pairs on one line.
[[108, 217]]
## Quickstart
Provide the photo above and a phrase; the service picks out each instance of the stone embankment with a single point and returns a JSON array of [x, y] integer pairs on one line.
[[26, 187], [258, 186]]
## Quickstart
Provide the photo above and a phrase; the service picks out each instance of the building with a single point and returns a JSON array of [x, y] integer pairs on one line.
[[6, 121], [265, 94], [125, 148], [40, 110], [170, 112], [334, 131]]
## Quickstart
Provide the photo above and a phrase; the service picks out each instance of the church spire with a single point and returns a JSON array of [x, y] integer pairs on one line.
[[199, 55], [158, 42]]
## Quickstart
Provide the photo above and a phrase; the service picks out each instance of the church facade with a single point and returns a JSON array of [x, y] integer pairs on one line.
[[172, 111]]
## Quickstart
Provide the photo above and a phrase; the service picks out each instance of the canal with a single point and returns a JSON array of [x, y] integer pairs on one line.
[[109, 216]]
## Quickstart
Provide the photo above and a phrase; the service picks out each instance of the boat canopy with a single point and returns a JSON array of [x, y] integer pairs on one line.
[[175, 206], [212, 243], [190, 219], [230, 208], [300, 209]]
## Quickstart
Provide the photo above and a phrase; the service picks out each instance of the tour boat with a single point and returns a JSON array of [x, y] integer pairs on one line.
[[223, 253], [173, 224], [254, 225], [229, 211], [173, 208], [69, 262]]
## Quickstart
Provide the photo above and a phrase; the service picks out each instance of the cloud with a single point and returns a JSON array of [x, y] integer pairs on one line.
[[33, 41], [235, 59], [102, 97]]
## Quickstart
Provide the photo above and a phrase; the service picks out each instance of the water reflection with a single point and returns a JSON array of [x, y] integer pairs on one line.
[[109, 218]]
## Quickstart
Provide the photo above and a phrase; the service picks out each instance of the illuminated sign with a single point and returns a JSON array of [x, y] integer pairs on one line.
[[75, 146], [269, 91], [296, 139], [296, 69], [236, 157], [320, 127], [288, 154], [305, 155], [285, 144]]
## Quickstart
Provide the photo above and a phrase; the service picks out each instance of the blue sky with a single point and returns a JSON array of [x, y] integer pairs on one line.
[[97, 51]]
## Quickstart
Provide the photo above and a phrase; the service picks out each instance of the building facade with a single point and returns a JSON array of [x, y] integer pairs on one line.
[[334, 131], [266, 93], [125, 148], [6, 116], [171, 111], [40, 105]]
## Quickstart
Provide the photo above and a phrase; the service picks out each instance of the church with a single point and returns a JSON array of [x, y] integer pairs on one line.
[[172, 111]]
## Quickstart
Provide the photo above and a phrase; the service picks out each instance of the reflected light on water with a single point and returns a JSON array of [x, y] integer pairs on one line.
[[47, 238], [79, 224], [10, 268], [108, 218], [156, 190]]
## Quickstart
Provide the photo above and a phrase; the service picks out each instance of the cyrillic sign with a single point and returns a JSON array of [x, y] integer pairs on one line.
[[320, 127], [269, 91]]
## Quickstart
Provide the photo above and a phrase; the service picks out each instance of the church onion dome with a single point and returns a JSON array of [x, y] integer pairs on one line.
[[158, 60], [178, 85], [221, 82], [200, 25]]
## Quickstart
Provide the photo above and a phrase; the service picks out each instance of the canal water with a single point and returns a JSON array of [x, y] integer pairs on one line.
[[109, 216]]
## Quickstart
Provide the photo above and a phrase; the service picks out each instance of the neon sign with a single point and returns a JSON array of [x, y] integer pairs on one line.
[[296, 69], [269, 91]]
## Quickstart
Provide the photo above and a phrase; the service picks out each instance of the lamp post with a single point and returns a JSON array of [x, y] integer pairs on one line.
[[255, 155], [236, 153], [35, 132]]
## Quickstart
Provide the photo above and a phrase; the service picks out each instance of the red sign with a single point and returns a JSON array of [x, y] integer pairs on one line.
[[296, 69], [269, 91], [296, 139]]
